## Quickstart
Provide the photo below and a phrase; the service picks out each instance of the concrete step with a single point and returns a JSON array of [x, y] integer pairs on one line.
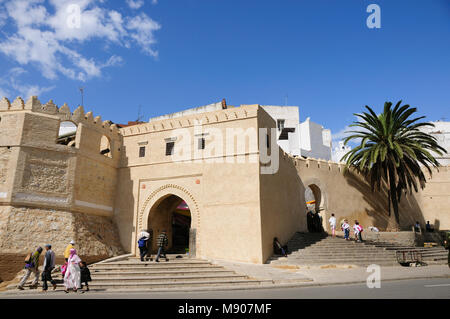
[[355, 263], [176, 285], [155, 268], [164, 279], [164, 273], [353, 256]]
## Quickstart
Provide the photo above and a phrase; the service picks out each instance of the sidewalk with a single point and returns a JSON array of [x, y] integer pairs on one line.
[[291, 275], [286, 276]]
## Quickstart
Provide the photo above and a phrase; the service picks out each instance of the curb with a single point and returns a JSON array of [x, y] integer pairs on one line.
[[274, 285]]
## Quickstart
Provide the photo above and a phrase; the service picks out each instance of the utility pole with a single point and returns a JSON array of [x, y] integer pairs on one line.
[[140, 115], [82, 96]]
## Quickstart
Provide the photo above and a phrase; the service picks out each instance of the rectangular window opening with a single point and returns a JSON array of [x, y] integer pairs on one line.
[[201, 143], [142, 151], [169, 148]]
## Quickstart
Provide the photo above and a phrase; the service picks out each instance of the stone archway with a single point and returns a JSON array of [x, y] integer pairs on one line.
[[163, 196], [317, 191]]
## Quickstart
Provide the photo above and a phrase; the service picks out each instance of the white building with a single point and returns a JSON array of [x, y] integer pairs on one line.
[[306, 139], [441, 131], [340, 151]]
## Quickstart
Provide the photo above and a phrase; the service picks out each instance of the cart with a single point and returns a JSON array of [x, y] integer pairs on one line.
[[408, 257]]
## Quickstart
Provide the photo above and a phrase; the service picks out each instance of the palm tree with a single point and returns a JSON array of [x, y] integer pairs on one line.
[[393, 151]]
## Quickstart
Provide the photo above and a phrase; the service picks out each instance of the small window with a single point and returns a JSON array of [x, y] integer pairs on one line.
[[280, 125], [201, 143], [268, 141], [142, 151], [169, 148]]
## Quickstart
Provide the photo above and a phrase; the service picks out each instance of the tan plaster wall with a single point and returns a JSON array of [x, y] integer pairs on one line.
[[225, 195], [434, 199], [348, 195], [281, 197]]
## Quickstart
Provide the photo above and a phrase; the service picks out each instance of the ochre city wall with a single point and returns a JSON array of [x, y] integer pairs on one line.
[[348, 195], [221, 189], [51, 193]]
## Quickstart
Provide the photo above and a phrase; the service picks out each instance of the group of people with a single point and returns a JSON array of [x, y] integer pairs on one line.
[[345, 226], [314, 222], [428, 227], [75, 271], [145, 239]]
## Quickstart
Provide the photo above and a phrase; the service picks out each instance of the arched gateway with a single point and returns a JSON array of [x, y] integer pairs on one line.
[[172, 208]]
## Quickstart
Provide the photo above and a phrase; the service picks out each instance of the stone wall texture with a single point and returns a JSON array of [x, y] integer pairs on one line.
[[23, 229]]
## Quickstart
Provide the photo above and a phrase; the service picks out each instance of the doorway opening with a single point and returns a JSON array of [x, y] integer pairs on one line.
[[313, 198], [172, 214]]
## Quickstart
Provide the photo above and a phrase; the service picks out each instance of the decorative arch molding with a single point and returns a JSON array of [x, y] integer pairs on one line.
[[323, 190], [162, 192]]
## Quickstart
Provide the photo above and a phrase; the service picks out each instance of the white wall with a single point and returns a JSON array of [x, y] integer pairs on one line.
[[316, 141], [441, 132], [340, 151]]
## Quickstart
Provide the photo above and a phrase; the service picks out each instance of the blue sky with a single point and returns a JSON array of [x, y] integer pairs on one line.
[[168, 55]]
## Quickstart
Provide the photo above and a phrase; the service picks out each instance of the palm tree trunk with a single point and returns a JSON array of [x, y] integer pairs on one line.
[[389, 202], [394, 196]]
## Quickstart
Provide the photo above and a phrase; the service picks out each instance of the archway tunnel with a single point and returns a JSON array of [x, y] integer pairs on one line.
[[172, 214]]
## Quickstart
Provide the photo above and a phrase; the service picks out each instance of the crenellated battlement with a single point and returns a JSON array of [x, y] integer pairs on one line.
[[63, 113], [315, 163], [245, 111]]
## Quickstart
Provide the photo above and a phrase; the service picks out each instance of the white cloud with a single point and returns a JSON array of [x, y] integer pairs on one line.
[[14, 85], [47, 35], [135, 4]]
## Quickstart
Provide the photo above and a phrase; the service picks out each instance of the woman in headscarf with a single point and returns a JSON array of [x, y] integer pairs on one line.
[[72, 277]]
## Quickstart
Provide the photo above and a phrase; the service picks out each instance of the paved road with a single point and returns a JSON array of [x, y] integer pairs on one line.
[[404, 289]]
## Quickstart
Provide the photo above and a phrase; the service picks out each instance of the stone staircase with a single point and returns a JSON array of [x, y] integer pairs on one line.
[[175, 274], [316, 249], [320, 249], [430, 255]]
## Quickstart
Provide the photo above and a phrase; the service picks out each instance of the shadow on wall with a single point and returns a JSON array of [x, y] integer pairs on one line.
[[409, 209], [124, 205], [96, 237]]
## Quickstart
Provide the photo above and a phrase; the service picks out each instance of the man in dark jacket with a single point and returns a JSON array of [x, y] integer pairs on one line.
[[162, 242], [32, 266], [49, 265], [142, 243]]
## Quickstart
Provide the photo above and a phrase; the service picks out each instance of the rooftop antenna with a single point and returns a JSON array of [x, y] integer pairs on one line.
[[82, 96], [286, 100], [140, 115]]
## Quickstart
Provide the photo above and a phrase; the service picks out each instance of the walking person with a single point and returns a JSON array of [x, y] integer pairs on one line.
[[162, 242], [68, 248], [49, 265], [357, 228], [149, 245], [72, 277], [332, 222], [142, 243], [32, 266], [346, 229], [85, 275]]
